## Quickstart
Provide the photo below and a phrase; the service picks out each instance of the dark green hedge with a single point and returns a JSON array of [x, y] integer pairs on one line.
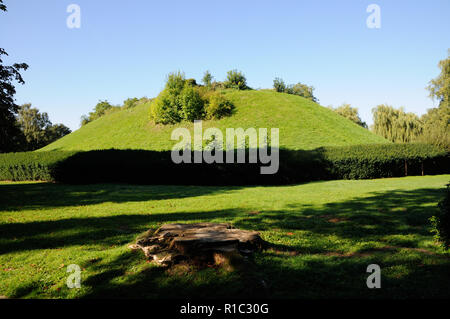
[[152, 167]]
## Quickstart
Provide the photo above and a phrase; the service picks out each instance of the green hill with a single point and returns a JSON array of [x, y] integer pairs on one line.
[[303, 125]]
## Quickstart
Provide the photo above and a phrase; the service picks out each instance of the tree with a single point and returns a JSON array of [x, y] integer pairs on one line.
[[207, 79], [33, 125], [396, 125], [440, 86], [279, 85], [37, 128], [55, 132], [436, 122], [436, 129], [351, 113], [10, 134]]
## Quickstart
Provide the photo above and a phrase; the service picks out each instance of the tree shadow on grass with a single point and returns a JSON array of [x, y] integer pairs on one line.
[[274, 276], [45, 195], [407, 272], [110, 230], [396, 212], [397, 219]]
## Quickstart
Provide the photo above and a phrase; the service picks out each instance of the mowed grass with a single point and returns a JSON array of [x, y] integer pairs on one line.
[[322, 237], [302, 123]]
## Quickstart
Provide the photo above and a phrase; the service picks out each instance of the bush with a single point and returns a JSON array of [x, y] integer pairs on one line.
[[165, 109], [101, 109], [218, 106], [130, 103], [183, 100], [236, 80], [175, 83], [299, 89], [441, 222], [217, 86], [302, 90], [279, 85], [191, 103]]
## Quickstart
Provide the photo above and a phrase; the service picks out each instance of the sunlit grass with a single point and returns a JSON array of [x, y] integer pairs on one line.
[[309, 125], [323, 236]]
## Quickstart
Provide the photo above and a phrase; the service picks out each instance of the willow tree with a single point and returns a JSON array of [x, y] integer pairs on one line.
[[395, 125]]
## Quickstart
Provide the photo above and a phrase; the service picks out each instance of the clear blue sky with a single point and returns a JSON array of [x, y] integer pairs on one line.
[[126, 48]]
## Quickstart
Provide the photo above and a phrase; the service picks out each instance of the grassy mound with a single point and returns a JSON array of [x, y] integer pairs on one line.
[[303, 125]]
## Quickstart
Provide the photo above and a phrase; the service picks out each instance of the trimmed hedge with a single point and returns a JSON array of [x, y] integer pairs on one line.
[[35, 166], [152, 167], [393, 160]]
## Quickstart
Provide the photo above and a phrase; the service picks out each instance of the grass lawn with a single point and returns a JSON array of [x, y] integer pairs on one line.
[[323, 236]]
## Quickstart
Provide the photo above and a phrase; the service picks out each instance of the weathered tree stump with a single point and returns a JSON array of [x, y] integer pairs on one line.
[[199, 243]]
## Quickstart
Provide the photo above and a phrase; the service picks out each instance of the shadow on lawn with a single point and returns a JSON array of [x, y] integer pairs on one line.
[[111, 230], [285, 271], [46, 195], [268, 276], [395, 212]]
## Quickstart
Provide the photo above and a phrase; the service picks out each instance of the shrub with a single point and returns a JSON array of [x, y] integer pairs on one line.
[[188, 103], [217, 86], [191, 82], [191, 103], [130, 103], [299, 89], [101, 109], [165, 109], [175, 82], [302, 90], [236, 80], [279, 85], [218, 106], [441, 222]]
